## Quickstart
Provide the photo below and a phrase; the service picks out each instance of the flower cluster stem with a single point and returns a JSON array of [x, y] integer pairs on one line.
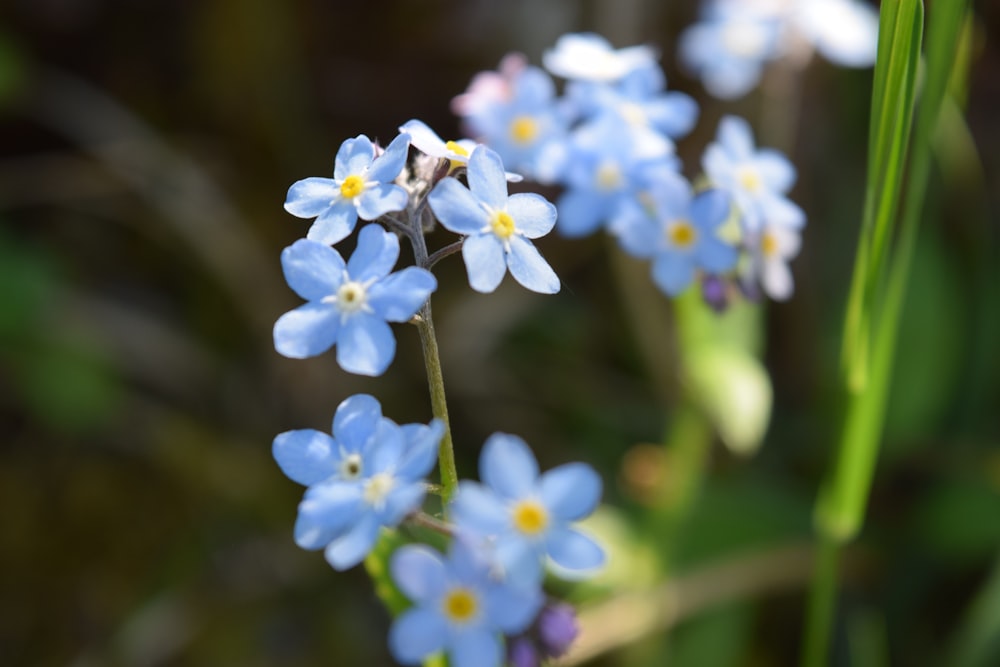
[[439, 404]]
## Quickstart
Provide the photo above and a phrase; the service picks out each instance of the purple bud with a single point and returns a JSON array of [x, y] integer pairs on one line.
[[557, 628], [523, 653], [713, 291]]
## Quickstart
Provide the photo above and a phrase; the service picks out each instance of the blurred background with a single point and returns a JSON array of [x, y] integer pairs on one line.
[[145, 151]]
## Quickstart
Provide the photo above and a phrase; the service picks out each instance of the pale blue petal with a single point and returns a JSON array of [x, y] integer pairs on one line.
[[365, 345], [375, 254], [529, 268], [782, 212], [508, 466], [416, 634], [718, 166], [521, 560], [354, 157], [484, 262], [533, 215], [355, 421], [715, 255], [398, 297], [456, 208], [572, 550], [674, 114], [469, 562], [673, 272], [421, 449], [512, 609], [377, 200], [710, 209], [335, 223], [637, 233], [387, 166], [424, 138], [476, 647], [307, 456], [313, 270], [478, 510], [311, 196], [326, 511], [487, 180], [775, 170], [419, 572], [571, 491], [351, 548], [308, 330], [386, 449], [736, 137], [402, 500], [581, 212]]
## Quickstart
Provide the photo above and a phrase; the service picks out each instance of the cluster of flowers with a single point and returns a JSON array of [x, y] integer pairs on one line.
[[482, 602], [609, 142], [735, 39]]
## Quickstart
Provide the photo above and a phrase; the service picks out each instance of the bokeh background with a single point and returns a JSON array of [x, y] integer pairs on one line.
[[145, 151]]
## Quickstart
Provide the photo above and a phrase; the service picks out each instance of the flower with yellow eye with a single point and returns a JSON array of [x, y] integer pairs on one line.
[[459, 607], [426, 140], [368, 475], [526, 516], [497, 227], [361, 187]]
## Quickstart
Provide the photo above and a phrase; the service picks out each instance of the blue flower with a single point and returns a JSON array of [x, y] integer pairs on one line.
[[460, 607], [527, 516], [368, 475], [349, 305], [497, 227], [679, 232], [590, 57], [757, 180], [606, 171], [361, 187]]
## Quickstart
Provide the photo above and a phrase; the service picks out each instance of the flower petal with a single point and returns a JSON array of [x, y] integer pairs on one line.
[[386, 449], [457, 208], [386, 167], [529, 268], [335, 223], [533, 215], [673, 272], [365, 345], [777, 279], [375, 254], [310, 329], [572, 550], [398, 297], [581, 212], [715, 255], [307, 456], [775, 170], [416, 634], [424, 138], [403, 500], [487, 179], [736, 137], [326, 511], [521, 560], [476, 647], [354, 157], [355, 421], [349, 549], [419, 572], [311, 196], [313, 270], [421, 454], [508, 466], [512, 609], [479, 511], [710, 209], [484, 262], [570, 491], [379, 199]]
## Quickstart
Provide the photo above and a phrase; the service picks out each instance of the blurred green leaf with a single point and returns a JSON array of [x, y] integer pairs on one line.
[[718, 637]]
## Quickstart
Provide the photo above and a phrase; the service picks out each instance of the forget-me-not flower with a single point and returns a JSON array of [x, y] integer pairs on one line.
[[460, 607], [757, 180], [427, 141], [497, 227], [772, 249], [349, 304], [590, 57], [527, 516], [368, 475], [681, 235], [361, 187]]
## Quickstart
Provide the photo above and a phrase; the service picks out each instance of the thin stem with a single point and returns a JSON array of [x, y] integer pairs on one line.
[[816, 645], [425, 520], [441, 253]]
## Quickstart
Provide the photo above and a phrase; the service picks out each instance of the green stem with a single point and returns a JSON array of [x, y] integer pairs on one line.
[[439, 404], [816, 646]]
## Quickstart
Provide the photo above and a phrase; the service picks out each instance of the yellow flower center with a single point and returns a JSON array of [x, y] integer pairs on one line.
[[769, 244], [682, 234], [609, 175], [523, 129], [750, 179], [530, 517], [460, 605], [352, 187], [502, 224], [454, 147]]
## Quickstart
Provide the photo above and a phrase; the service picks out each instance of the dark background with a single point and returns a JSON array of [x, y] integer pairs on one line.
[[145, 151]]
